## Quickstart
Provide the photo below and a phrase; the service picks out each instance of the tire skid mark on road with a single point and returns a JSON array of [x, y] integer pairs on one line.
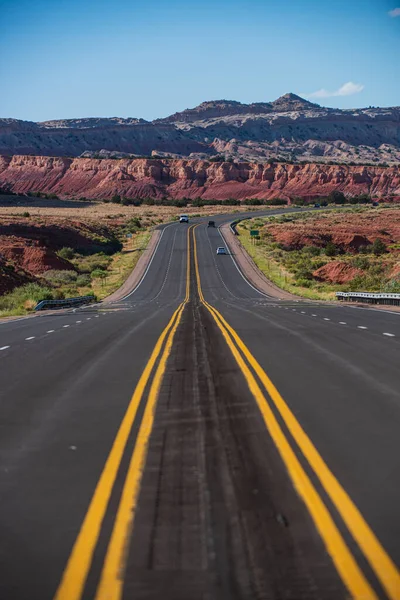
[[345, 563]]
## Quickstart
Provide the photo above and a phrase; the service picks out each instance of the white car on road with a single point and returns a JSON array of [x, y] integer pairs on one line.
[[221, 250], [183, 219]]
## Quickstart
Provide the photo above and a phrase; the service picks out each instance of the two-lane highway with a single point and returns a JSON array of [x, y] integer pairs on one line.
[[198, 439]]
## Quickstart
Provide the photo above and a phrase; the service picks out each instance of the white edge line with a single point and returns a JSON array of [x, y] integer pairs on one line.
[[148, 266], [16, 320], [236, 265]]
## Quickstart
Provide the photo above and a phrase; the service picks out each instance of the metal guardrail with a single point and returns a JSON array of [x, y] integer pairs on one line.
[[233, 226], [370, 297], [67, 303]]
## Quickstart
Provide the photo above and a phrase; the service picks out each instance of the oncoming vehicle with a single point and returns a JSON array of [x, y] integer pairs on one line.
[[183, 219], [211, 224], [317, 205], [221, 250]]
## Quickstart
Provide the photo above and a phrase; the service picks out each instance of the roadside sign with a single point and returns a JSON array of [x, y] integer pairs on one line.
[[254, 232]]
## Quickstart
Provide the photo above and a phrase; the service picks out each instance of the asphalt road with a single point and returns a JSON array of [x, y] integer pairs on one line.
[[200, 440]]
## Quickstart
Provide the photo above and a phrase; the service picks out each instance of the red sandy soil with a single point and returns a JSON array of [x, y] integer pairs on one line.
[[28, 247], [336, 271], [348, 231]]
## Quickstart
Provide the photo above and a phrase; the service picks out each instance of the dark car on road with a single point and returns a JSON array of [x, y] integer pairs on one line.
[[211, 224]]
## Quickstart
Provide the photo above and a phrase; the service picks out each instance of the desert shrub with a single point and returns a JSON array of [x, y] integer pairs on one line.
[[58, 295], [361, 262], [307, 283], [253, 202], [132, 225], [379, 247], [26, 214], [98, 274], [83, 280], [116, 199], [66, 253], [311, 250], [91, 263], [330, 249], [56, 277], [25, 297], [337, 197], [298, 201], [276, 202]]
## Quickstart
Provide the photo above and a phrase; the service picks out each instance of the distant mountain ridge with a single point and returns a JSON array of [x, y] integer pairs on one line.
[[289, 128]]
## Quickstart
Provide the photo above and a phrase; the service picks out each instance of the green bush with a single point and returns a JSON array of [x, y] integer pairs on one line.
[[91, 263], [330, 249], [26, 214], [311, 250], [25, 297], [60, 277], [83, 280], [379, 247], [66, 253], [361, 262], [98, 274], [337, 197], [307, 283]]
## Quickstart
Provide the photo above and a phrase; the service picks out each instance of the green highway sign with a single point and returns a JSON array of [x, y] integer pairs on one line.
[[254, 232]]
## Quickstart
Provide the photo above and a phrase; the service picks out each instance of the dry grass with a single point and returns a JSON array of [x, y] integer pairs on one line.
[[87, 210]]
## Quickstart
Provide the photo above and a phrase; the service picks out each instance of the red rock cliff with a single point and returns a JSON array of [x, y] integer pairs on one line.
[[101, 178]]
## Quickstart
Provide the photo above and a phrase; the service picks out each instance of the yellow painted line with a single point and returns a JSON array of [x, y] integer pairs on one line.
[[343, 559], [383, 566], [112, 577], [76, 571]]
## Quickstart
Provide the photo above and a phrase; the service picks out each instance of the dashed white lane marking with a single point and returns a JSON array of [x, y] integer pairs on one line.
[[30, 338], [313, 315], [388, 334], [65, 325], [303, 312], [88, 318], [361, 327], [79, 321], [50, 331], [5, 347], [96, 316], [326, 319], [342, 323]]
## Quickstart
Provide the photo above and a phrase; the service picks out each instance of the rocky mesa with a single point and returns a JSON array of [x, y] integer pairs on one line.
[[158, 178], [289, 128]]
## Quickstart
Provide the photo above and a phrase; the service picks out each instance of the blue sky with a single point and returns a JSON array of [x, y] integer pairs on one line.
[[80, 58]]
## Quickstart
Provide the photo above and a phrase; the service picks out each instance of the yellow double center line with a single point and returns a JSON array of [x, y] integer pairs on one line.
[[111, 581], [346, 565], [78, 566]]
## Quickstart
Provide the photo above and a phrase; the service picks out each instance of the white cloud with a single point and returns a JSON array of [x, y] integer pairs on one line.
[[395, 12], [347, 89]]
